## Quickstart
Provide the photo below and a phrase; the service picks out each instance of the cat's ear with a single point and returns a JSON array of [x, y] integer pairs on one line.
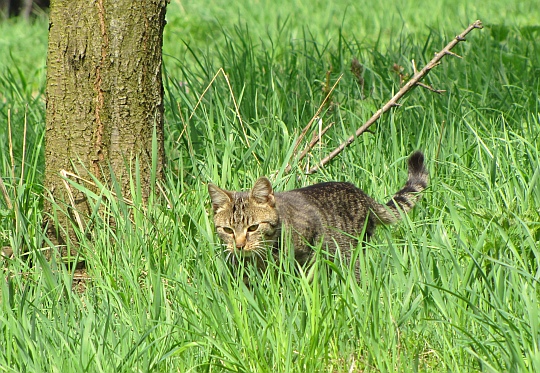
[[262, 192], [218, 196]]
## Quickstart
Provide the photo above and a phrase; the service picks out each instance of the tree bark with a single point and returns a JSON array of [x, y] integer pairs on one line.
[[104, 99]]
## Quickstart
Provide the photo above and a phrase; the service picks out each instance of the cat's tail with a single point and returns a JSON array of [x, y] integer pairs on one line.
[[405, 199]]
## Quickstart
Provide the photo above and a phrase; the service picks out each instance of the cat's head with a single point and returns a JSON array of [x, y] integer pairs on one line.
[[247, 222]]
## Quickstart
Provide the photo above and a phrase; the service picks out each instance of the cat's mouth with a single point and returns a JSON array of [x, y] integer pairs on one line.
[[236, 256], [242, 253]]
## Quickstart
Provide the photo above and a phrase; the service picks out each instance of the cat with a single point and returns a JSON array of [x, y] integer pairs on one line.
[[334, 213]]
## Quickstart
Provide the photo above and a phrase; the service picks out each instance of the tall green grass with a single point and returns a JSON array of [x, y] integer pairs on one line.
[[454, 287]]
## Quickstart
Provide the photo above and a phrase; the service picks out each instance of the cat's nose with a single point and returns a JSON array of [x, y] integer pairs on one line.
[[240, 242]]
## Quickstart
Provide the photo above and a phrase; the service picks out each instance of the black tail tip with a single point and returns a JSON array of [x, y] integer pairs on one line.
[[416, 162]]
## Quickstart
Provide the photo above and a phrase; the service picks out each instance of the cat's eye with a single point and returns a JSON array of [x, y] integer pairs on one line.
[[228, 230], [253, 228]]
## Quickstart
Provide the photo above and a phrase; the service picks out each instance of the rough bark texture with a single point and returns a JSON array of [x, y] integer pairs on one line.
[[104, 96]]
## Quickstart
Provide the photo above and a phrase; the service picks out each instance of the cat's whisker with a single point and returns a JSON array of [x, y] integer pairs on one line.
[[267, 243], [260, 252]]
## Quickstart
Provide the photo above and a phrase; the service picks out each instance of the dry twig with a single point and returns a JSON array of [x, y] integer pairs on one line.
[[414, 81]]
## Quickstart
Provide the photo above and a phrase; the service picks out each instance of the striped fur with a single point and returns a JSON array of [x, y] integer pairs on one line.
[[406, 197], [335, 213]]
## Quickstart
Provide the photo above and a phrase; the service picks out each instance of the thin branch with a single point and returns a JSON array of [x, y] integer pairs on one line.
[[314, 140], [393, 101], [430, 88]]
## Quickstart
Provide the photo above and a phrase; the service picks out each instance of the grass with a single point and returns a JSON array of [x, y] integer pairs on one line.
[[454, 287]]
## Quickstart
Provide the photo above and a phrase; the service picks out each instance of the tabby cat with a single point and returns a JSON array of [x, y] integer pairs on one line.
[[335, 213]]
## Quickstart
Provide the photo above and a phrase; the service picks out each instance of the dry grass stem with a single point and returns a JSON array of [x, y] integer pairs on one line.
[[308, 126], [237, 110]]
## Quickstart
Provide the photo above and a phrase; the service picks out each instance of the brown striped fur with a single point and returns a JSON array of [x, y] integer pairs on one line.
[[335, 213]]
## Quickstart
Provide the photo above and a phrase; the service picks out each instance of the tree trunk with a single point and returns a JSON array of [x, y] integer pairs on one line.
[[104, 99]]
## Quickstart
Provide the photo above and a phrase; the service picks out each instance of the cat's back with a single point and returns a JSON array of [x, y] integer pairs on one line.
[[329, 198], [328, 209], [329, 188]]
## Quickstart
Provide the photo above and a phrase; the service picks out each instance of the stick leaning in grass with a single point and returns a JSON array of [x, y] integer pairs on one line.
[[414, 81]]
